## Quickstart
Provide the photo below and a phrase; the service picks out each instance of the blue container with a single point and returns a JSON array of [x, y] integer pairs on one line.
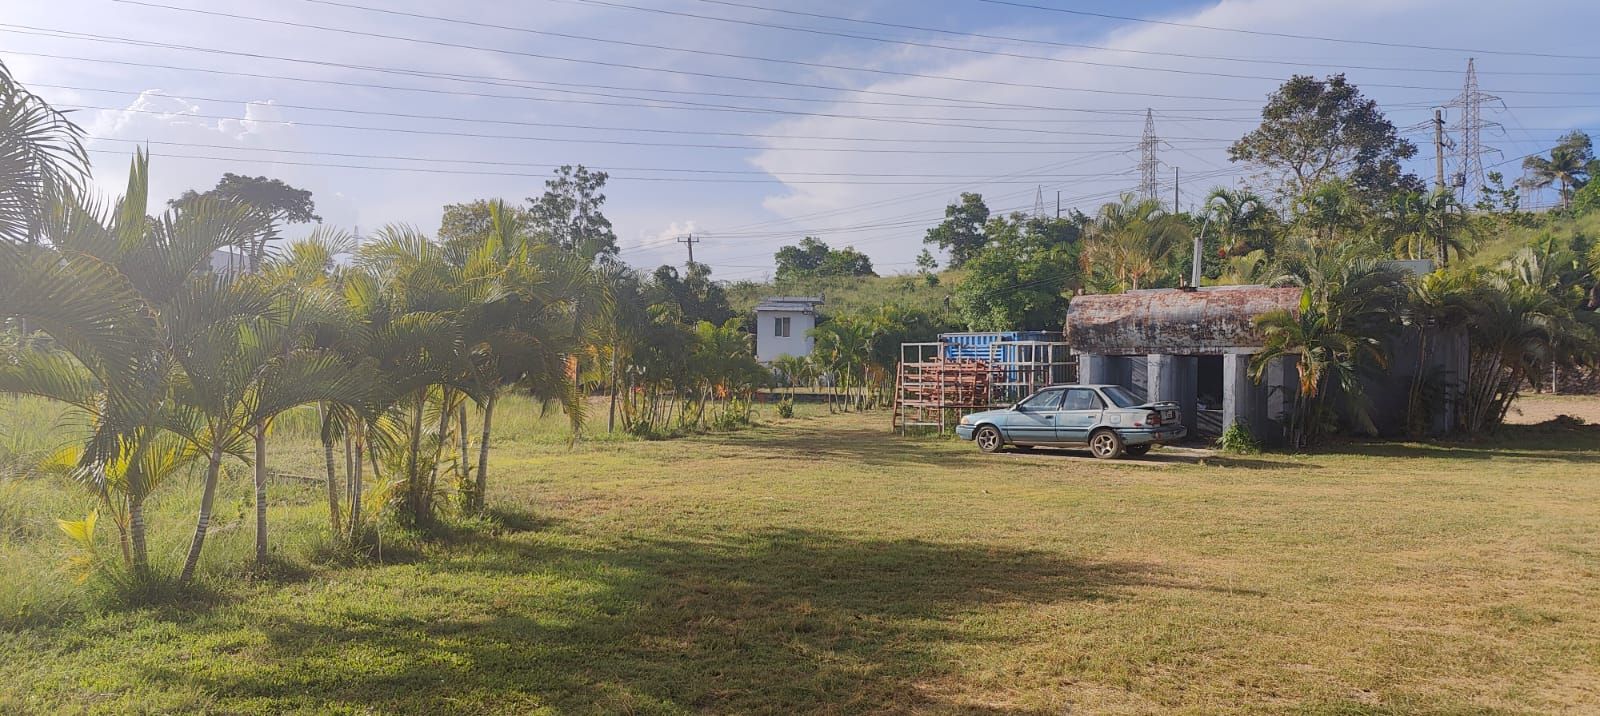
[[976, 346]]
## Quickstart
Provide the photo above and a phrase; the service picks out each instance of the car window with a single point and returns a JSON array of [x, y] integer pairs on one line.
[[1120, 397], [1082, 399], [1044, 400]]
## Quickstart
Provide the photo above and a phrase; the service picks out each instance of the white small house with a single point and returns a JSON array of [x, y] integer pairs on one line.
[[783, 326]]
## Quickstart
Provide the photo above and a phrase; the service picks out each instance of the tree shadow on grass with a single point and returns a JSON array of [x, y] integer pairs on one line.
[[1553, 440], [781, 621]]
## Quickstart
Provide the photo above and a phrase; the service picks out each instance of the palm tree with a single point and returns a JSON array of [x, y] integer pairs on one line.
[[1133, 244], [1567, 167], [41, 156], [1244, 221], [1328, 210]]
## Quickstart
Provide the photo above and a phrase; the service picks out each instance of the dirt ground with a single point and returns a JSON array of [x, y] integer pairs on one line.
[[1531, 409]]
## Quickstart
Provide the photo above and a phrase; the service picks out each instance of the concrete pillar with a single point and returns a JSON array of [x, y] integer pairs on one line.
[[1236, 393], [1162, 377], [1093, 369]]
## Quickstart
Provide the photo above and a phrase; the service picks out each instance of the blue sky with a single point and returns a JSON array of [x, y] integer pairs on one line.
[[923, 115]]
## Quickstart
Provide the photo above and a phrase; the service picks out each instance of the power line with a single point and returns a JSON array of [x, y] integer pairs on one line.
[[492, 162], [655, 130], [1291, 36], [645, 45], [581, 140], [903, 43]]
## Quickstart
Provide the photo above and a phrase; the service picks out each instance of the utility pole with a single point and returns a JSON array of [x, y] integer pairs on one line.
[[1438, 148], [1058, 203], [1174, 190], [689, 241]]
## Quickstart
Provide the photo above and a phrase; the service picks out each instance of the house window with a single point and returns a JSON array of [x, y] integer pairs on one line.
[[780, 327]]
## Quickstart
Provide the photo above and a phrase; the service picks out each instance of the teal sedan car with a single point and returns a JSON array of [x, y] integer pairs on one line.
[[1107, 419]]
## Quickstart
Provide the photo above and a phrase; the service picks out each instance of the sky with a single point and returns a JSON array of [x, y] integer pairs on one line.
[[754, 123]]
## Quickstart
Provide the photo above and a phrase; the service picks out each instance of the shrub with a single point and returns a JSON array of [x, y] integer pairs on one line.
[[786, 408], [1237, 440]]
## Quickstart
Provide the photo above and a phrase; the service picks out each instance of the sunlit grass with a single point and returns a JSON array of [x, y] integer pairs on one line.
[[821, 564]]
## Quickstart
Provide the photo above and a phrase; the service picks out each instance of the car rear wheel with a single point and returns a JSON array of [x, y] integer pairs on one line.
[[1106, 444], [1138, 450], [988, 439]]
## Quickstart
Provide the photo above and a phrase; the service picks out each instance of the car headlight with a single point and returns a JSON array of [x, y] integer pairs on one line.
[[966, 420]]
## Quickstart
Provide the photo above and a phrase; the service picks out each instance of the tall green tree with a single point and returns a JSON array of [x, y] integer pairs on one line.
[[569, 213], [1022, 279], [961, 234], [1568, 167], [813, 258], [271, 200], [1313, 131]]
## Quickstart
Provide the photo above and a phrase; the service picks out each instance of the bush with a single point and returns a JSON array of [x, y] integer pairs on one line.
[[1237, 440], [786, 408]]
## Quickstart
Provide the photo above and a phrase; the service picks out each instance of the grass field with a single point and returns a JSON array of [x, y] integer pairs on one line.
[[821, 564]]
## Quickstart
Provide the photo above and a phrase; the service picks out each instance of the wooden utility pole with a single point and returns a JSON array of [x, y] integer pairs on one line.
[[1058, 203], [1438, 149], [689, 241], [1174, 190]]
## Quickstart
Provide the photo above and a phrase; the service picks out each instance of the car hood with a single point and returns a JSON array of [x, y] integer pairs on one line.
[[987, 416]]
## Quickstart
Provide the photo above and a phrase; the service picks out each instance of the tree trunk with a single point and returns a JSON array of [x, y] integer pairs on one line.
[[464, 467], [261, 492], [140, 553], [333, 483], [208, 497], [611, 420], [480, 490], [414, 483], [359, 444]]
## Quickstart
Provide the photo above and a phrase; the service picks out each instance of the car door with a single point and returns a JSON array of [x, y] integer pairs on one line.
[[1080, 412], [1033, 422]]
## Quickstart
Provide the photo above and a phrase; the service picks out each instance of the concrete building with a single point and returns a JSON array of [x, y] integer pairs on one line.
[[783, 326], [1189, 346]]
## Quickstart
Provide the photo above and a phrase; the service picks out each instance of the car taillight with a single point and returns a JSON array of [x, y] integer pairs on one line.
[[1153, 420]]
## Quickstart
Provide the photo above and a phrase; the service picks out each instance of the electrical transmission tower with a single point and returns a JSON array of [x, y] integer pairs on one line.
[[1038, 202], [1149, 165], [1469, 178]]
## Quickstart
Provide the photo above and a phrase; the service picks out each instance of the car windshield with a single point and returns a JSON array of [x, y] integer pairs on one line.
[[1120, 397]]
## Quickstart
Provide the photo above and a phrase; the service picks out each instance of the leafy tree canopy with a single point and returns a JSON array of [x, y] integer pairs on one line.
[[687, 298], [1315, 130], [961, 234], [814, 258], [568, 214], [1021, 279], [277, 200]]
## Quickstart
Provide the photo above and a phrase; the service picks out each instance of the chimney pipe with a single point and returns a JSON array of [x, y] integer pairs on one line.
[[1199, 255]]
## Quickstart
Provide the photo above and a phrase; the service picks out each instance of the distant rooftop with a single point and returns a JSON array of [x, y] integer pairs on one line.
[[789, 303]]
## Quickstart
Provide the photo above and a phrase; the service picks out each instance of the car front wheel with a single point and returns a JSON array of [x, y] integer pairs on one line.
[[988, 439], [1106, 445]]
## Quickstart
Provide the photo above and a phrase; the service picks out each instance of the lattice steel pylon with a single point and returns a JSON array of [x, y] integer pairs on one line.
[[1038, 202], [1149, 165], [1469, 178]]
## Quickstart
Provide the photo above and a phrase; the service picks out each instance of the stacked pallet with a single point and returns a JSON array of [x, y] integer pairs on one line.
[[926, 392]]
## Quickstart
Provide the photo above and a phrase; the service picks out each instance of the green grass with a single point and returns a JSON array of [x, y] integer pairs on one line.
[[821, 564], [851, 294]]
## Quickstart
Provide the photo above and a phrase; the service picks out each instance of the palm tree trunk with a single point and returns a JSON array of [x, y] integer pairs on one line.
[[359, 444], [260, 437], [333, 485], [413, 473], [208, 497], [611, 420], [482, 487], [464, 467], [140, 555]]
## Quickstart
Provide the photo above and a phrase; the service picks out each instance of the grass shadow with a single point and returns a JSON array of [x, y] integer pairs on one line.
[[780, 621], [1558, 440]]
